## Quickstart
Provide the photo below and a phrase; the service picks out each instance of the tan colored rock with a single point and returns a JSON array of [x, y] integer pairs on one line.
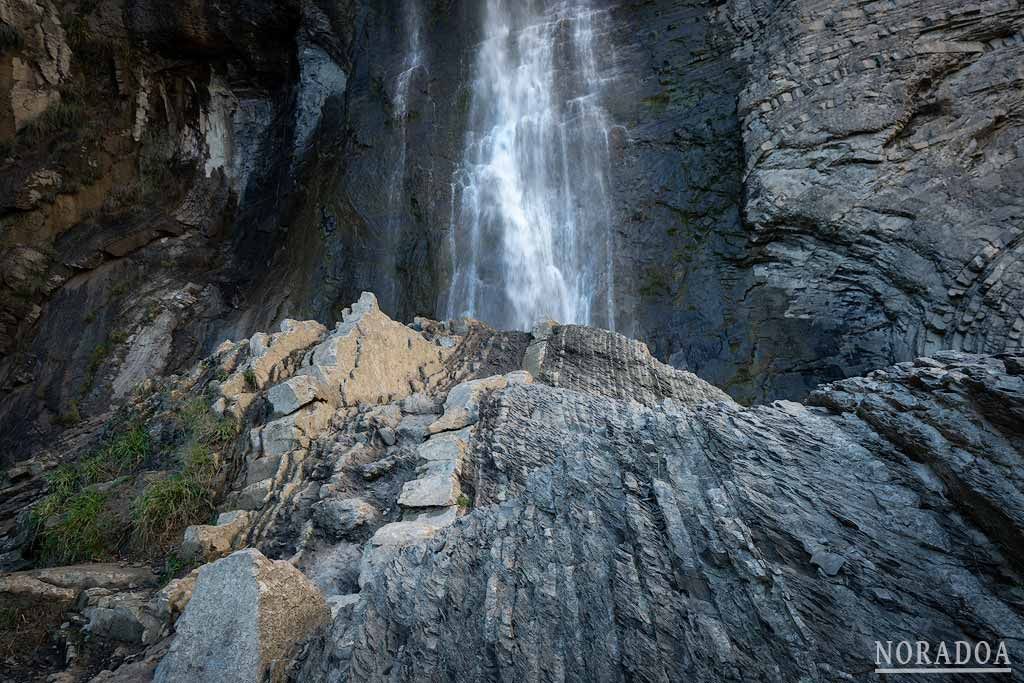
[[207, 542], [267, 354], [370, 358], [296, 430], [22, 590], [98, 575]]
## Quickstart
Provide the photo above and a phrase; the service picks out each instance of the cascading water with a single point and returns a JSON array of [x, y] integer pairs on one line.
[[531, 233], [412, 61]]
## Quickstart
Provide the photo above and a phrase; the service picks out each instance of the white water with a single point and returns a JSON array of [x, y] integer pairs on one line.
[[531, 233]]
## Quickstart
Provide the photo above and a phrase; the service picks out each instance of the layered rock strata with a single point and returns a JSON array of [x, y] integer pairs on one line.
[[509, 505]]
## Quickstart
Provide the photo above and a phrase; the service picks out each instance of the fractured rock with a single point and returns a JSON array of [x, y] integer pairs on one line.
[[462, 407], [340, 518], [294, 393], [210, 542], [370, 358]]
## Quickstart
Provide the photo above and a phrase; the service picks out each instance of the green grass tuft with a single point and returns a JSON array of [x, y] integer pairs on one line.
[[204, 426], [168, 506], [130, 449], [70, 504], [81, 534]]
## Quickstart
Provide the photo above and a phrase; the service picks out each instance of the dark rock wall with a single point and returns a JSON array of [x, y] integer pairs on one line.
[[881, 146], [143, 203], [804, 191]]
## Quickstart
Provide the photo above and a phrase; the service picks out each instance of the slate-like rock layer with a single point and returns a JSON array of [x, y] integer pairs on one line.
[[620, 538]]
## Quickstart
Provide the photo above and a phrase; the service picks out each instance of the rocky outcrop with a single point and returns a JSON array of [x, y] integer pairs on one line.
[[598, 514], [698, 540]]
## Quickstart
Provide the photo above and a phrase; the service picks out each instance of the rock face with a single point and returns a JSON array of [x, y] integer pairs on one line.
[[561, 502], [878, 157], [244, 618], [673, 539], [801, 192]]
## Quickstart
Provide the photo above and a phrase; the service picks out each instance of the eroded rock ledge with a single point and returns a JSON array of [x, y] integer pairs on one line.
[[455, 503]]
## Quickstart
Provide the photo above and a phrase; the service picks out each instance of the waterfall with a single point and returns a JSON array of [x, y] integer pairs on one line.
[[531, 233], [412, 61]]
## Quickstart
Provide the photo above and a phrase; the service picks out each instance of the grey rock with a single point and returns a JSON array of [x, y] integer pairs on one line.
[[320, 78], [415, 428], [462, 407], [294, 393], [630, 523], [419, 404], [830, 563], [243, 622], [120, 617], [341, 518], [388, 436]]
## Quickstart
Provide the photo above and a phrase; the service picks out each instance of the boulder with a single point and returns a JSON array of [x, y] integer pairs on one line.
[[245, 619], [210, 542], [119, 616], [437, 486], [462, 407], [294, 393], [340, 518]]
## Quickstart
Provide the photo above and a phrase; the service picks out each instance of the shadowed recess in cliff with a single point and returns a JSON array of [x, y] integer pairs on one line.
[[530, 233]]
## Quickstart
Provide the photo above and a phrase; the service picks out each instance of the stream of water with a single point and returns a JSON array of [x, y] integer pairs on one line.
[[531, 233]]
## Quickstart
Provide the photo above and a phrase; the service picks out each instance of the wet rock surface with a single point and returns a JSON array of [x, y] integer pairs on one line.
[[800, 193]]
